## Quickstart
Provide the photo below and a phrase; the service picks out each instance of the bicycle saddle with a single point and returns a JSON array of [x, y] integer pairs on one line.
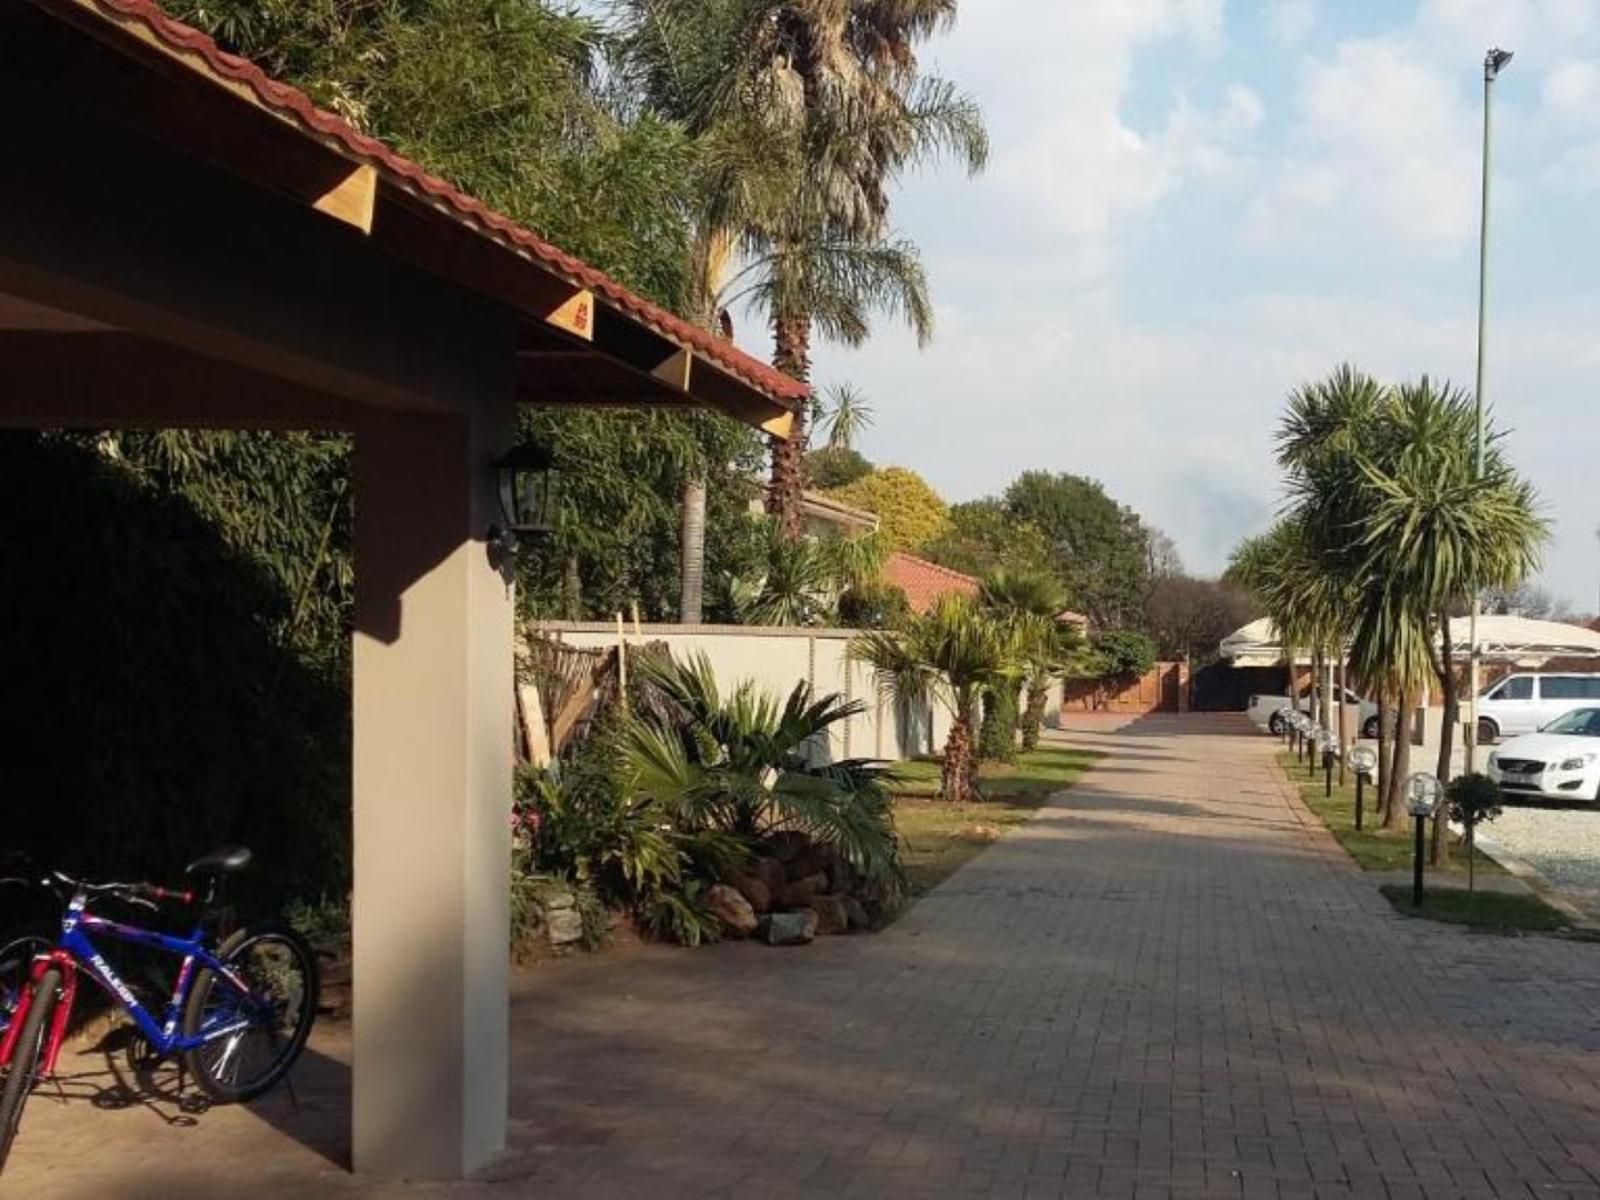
[[223, 861]]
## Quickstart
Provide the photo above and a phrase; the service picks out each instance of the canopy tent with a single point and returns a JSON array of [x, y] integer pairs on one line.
[[1514, 641]]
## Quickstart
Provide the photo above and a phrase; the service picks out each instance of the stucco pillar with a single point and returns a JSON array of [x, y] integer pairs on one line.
[[432, 783]]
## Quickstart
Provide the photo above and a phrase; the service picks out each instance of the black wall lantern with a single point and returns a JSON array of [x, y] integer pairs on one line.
[[527, 485]]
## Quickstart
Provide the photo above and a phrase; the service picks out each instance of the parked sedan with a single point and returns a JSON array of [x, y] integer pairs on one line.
[[1271, 711], [1560, 762]]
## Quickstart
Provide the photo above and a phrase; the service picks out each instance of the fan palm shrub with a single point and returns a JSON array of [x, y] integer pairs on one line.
[[949, 654], [741, 765]]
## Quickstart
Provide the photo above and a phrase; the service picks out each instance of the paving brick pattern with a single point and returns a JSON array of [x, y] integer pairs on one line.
[[1171, 983]]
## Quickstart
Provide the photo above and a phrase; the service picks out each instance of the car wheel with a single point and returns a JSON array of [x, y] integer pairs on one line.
[[1275, 724], [1488, 732], [1369, 727]]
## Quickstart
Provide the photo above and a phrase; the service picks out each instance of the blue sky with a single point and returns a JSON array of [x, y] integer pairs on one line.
[[1193, 205]]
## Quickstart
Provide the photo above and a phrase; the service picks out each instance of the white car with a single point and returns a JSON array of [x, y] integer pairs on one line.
[[1560, 762], [1523, 703], [1270, 711]]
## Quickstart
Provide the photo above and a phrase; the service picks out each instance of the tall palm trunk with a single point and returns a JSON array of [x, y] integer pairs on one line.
[[791, 354], [1392, 803], [1439, 849], [1385, 767], [955, 779], [691, 596], [1344, 732]]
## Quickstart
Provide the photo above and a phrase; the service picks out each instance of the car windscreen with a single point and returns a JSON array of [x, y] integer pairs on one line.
[[1583, 722]]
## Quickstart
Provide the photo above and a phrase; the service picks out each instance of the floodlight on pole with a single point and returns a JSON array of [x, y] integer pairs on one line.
[[1493, 63]]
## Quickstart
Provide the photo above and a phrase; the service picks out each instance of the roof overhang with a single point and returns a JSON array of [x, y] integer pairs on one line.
[[583, 338], [1518, 641]]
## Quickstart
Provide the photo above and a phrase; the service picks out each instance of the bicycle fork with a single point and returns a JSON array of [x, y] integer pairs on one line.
[[58, 1019]]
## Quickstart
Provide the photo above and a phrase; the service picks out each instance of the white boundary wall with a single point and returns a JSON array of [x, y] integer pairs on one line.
[[778, 658]]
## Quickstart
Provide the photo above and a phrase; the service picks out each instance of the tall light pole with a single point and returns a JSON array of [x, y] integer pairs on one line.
[[1493, 63]]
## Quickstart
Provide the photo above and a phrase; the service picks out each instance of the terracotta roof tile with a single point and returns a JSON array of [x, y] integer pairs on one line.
[[923, 582], [289, 102]]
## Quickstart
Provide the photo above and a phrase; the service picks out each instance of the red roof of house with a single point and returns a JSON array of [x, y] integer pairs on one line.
[[923, 582], [202, 54]]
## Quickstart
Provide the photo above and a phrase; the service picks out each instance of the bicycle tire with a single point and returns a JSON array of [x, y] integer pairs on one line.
[[25, 1058], [286, 1047]]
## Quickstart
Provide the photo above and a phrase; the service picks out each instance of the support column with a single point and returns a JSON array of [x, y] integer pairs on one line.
[[432, 782]]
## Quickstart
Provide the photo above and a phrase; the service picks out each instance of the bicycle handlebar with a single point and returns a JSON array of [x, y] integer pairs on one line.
[[146, 894]]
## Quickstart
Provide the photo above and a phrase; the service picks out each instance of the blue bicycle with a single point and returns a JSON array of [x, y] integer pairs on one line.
[[239, 1014]]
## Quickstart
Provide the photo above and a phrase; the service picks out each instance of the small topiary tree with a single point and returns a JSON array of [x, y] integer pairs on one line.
[[997, 737], [1469, 799]]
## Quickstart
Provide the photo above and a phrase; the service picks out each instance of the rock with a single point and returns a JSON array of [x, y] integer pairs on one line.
[[854, 913], [842, 876], [732, 910], [564, 926], [755, 891], [771, 872], [981, 833], [556, 898], [831, 914], [798, 894], [789, 928], [788, 844]]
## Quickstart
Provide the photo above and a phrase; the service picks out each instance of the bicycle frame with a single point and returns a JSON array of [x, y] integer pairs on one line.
[[75, 952]]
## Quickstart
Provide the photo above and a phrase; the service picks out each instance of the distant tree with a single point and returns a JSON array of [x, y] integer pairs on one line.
[[846, 414], [834, 467], [1524, 600], [1101, 550], [1188, 617], [1164, 560], [911, 513], [985, 536]]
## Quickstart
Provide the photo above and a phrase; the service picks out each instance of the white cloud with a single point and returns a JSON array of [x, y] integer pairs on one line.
[[1291, 21]]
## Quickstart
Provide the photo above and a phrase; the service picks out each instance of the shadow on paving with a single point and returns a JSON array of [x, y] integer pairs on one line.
[[1161, 984]]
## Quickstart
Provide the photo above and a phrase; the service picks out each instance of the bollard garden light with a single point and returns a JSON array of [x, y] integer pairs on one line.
[[1325, 743], [1425, 792], [1313, 744], [1363, 761]]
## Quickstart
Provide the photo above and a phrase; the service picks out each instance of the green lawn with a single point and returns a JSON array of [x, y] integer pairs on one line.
[[937, 838], [1489, 912], [1373, 848], [1038, 774]]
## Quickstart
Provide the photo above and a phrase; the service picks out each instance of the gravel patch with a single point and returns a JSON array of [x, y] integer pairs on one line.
[[1563, 846]]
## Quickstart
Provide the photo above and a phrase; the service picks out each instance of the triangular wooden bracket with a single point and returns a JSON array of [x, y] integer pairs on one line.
[[675, 371], [353, 198], [575, 315]]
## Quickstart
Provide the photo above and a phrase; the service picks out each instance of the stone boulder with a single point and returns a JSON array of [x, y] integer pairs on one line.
[[755, 891], [789, 928], [798, 894], [564, 926], [732, 910], [770, 872], [855, 914], [832, 916]]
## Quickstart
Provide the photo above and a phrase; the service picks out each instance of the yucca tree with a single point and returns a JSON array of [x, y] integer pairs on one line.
[[950, 654], [848, 415], [1435, 531]]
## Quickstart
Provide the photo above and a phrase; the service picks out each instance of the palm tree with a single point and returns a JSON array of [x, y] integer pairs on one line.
[[952, 653], [807, 111], [1436, 530], [848, 414], [1030, 602]]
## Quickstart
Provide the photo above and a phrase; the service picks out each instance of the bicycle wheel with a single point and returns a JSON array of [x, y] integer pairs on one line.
[[268, 1025], [25, 1052], [16, 964]]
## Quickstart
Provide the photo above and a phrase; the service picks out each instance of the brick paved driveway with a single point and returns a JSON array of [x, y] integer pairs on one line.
[[1168, 984]]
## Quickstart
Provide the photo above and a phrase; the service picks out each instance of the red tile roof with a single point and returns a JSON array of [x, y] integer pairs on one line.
[[923, 582], [203, 54]]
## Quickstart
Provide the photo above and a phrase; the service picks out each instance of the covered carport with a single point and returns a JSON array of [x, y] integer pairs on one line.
[[187, 243]]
